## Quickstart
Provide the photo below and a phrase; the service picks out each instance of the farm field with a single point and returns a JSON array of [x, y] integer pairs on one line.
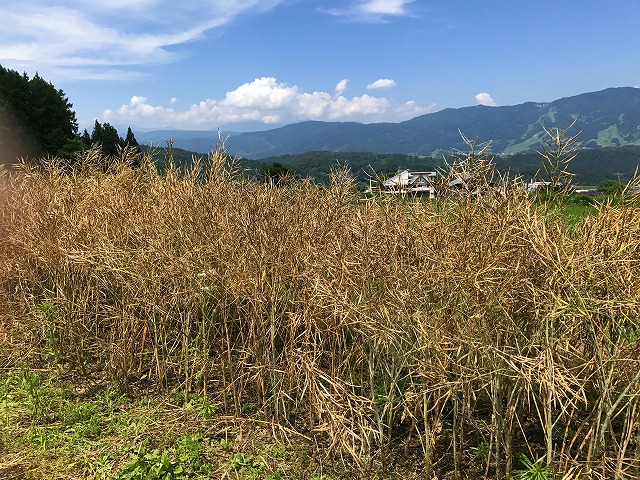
[[197, 325]]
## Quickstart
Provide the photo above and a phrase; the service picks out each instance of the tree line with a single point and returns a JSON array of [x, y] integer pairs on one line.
[[47, 116], [108, 138], [43, 111], [591, 166]]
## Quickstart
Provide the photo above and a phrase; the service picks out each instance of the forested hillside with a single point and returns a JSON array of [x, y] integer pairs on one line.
[[591, 166]]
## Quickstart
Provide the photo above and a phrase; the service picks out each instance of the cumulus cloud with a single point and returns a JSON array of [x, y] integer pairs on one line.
[[382, 83], [138, 109], [85, 38], [264, 100], [485, 99], [263, 93], [373, 10]]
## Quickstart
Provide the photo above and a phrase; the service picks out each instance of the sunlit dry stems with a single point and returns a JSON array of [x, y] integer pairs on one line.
[[375, 328], [557, 153]]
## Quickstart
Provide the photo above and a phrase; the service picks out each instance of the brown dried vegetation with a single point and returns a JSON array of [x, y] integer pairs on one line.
[[375, 328]]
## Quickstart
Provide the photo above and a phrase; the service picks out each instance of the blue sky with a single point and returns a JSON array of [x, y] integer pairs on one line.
[[254, 64]]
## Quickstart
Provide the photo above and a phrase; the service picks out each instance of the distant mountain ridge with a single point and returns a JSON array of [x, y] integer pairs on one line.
[[607, 118]]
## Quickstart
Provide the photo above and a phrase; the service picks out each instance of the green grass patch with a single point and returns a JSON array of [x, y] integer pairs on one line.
[[48, 430], [572, 209]]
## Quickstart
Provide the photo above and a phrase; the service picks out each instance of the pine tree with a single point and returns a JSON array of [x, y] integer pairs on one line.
[[110, 140], [97, 136], [43, 111], [130, 139], [86, 138]]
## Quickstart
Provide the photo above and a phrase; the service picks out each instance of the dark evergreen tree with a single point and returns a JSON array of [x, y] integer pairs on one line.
[[44, 111], [130, 139], [110, 140], [97, 135], [107, 137], [276, 173], [71, 148], [132, 144], [86, 138]]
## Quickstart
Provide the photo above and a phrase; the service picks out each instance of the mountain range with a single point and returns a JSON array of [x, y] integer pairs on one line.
[[607, 118]]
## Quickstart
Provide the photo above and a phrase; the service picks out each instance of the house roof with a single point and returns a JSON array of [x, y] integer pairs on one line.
[[406, 178]]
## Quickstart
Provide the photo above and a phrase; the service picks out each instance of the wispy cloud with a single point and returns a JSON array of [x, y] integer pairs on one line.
[[485, 99], [372, 10], [93, 35], [264, 100], [382, 83], [385, 7], [341, 86], [411, 109]]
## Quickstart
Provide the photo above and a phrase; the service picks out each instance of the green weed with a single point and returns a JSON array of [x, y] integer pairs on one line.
[[203, 407], [480, 452], [246, 462], [534, 469], [182, 461]]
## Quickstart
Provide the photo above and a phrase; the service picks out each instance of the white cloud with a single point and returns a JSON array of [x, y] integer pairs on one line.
[[263, 100], [385, 7], [411, 109], [485, 99], [382, 83], [263, 93], [91, 36], [373, 10], [137, 109], [173, 100], [322, 106], [267, 119], [341, 86]]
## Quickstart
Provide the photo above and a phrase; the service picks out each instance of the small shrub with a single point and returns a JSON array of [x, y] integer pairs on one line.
[[610, 187]]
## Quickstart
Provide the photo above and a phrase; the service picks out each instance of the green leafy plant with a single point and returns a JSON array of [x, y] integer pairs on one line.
[[534, 469], [226, 444], [183, 461], [246, 462], [274, 476], [150, 464], [249, 408], [480, 452], [82, 419], [203, 407], [190, 448], [26, 388], [278, 452]]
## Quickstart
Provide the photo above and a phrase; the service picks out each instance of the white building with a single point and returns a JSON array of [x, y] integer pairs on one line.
[[418, 183]]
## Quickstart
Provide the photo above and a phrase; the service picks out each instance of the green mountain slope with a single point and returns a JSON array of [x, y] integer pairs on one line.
[[607, 118]]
